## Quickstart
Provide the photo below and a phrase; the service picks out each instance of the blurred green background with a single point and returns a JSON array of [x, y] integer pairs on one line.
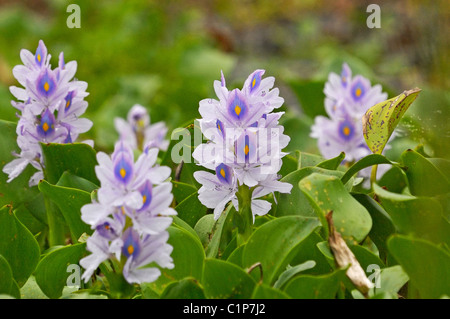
[[165, 55]]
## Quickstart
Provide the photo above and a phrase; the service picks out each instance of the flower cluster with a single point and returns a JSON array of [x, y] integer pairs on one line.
[[347, 98], [50, 105], [131, 214], [244, 144], [139, 133]]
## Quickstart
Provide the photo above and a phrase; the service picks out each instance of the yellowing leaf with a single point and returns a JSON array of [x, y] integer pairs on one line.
[[381, 119]]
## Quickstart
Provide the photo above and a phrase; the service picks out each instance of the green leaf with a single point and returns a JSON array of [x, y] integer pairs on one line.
[[292, 271], [420, 216], [425, 179], [6, 276], [182, 190], [381, 119], [17, 245], [224, 280], [72, 181], [215, 234], [78, 158], [188, 256], [391, 280], [263, 291], [51, 273], [191, 209], [187, 288], [296, 203], [275, 243], [367, 161], [427, 265], [315, 287], [332, 163], [31, 290], [328, 193], [382, 226], [69, 202]]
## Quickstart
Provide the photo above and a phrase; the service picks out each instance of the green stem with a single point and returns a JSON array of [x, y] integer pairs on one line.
[[56, 227], [373, 175], [245, 224]]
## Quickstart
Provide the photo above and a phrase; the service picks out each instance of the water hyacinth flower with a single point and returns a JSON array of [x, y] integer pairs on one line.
[[139, 133], [347, 99], [245, 142], [50, 104], [131, 214]]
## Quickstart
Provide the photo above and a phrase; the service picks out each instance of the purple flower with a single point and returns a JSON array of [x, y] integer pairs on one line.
[[245, 140], [50, 104], [347, 99], [131, 214], [139, 133]]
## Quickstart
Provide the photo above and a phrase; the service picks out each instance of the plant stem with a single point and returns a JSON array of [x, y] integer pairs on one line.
[[373, 175], [56, 229], [245, 224]]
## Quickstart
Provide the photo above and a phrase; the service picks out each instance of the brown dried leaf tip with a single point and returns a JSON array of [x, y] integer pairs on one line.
[[345, 258]]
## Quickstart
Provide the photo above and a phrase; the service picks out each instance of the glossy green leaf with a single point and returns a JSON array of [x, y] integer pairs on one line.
[[425, 179], [390, 281], [69, 201], [31, 290], [332, 163], [187, 288], [381, 119], [191, 209], [315, 287], [263, 291], [420, 216], [328, 193], [182, 190], [427, 265], [382, 226], [367, 161], [188, 256], [275, 243], [6, 276], [224, 280], [296, 203], [78, 158], [72, 181], [292, 271], [51, 273], [17, 245], [216, 234]]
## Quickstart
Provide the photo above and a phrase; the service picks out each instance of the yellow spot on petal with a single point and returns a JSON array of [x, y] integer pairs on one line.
[[45, 127], [222, 172], [246, 149], [346, 131], [254, 82], [123, 210], [46, 86], [130, 249], [39, 57], [144, 199], [237, 110], [67, 104], [107, 227], [123, 172], [358, 92]]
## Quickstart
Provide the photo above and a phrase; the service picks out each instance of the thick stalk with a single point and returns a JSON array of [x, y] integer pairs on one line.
[[373, 175], [56, 228], [245, 224]]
